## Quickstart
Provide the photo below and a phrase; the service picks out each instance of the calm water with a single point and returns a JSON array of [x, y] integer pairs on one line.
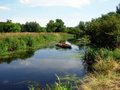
[[40, 67]]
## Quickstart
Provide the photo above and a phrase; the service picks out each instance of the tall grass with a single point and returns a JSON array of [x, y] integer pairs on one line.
[[106, 72], [58, 85], [106, 76], [23, 41], [94, 54]]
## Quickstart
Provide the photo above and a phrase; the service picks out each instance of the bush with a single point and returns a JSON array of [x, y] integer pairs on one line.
[[104, 31]]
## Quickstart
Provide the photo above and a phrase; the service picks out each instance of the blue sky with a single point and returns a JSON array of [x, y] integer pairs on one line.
[[41, 11]]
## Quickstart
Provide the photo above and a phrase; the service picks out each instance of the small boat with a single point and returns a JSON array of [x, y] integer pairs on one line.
[[63, 45]]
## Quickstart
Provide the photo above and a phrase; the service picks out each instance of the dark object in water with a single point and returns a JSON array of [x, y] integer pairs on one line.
[[63, 45]]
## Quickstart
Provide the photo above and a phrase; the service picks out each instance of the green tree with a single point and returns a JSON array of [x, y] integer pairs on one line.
[[82, 28], [118, 9], [31, 27], [73, 30], [11, 27], [51, 26], [104, 31], [9, 21], [2, 26], [56, 26], [60, 26], [81, 25]]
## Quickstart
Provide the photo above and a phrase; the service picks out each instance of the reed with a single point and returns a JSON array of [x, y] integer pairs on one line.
[[10, 42], [105, 73]]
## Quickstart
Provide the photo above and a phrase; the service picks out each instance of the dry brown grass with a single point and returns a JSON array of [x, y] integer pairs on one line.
[[101, 82], [23, 33], [105, 66], [105, 77], [19, 34]]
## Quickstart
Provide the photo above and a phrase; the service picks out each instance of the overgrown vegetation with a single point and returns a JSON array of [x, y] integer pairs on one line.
[[103, 57], [66, 83], [22, 41], [105, 73]]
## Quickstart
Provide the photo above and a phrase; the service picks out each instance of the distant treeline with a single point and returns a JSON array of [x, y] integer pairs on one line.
[[52, 26]]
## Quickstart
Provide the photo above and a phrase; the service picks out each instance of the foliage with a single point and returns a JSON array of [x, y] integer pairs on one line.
[[51, 27], [58, 85], [62, 86], [118, 9], [104, 31], [73, 30], [22, 41], [57, 26], [32, 27], [31, 87], [2, 26], [93, 54], [10, 27], [81, 25], [105, 75], [60, 26]]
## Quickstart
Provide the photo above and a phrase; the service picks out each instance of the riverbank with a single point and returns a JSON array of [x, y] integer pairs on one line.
[[12, 42], [105, 73]]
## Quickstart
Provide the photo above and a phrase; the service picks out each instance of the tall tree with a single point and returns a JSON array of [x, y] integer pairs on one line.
[[2, 26], [118, 9], [51, 26], [31, 27], [81, 25], [105, 31], [56, 26], [60, 26], [9, 26]]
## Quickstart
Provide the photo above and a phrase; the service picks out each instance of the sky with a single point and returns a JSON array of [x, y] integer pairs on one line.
[[41, 11]]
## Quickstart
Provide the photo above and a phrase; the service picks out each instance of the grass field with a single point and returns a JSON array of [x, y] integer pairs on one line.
[[10, 42]]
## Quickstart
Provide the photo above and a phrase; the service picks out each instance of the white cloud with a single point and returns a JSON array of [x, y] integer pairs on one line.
[[4, 8], [24, 1], [67, 3]]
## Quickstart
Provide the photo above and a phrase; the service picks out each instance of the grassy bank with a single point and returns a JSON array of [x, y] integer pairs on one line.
[[10, 42], [105, 73]]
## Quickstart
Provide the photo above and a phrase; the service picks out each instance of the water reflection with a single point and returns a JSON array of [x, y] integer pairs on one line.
[[23, 55], [41, 67]]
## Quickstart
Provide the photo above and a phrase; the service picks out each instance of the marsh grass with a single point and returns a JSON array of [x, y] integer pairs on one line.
[[106, 71], [98, 81], [10, 42], [58, 85], [93, 55]]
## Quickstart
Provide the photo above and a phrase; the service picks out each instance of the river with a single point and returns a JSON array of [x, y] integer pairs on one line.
[[41, 67]]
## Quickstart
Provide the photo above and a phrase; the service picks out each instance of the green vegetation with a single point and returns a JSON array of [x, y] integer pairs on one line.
[[93, 55], [58, 85], [10, 42], [105, 73], [118, 9], [104, 31], [32, 27], [9, 26], [103, 55], [57, 26]]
